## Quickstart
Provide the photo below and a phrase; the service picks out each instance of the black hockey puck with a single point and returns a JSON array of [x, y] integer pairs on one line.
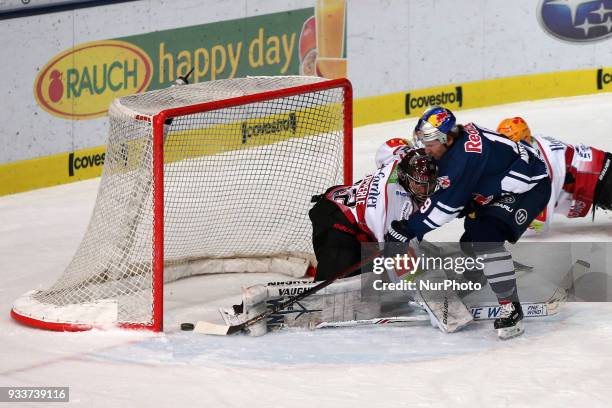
[[187, 326]]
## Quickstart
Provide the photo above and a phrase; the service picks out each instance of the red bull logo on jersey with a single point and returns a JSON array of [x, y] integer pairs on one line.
[[444, 182], [482, 200]]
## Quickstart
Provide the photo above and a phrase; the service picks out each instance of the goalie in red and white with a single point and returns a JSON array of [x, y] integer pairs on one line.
[[346, 216], [343, 218], [581, 175]]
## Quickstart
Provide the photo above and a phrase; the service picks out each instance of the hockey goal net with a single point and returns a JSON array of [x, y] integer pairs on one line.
[[211, 177]]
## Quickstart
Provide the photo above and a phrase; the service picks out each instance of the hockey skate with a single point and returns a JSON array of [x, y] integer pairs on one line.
[[510, 322]]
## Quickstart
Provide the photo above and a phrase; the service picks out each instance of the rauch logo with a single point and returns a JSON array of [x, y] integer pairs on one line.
[[81, 82]]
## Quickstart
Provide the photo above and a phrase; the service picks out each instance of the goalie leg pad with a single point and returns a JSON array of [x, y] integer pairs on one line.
[[446, 310], [340, 301]]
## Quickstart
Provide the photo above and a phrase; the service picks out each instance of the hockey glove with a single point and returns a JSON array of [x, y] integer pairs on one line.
[[399, 232]]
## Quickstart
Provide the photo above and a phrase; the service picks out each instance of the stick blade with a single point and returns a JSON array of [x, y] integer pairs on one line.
[[217, 329], [212, 328]]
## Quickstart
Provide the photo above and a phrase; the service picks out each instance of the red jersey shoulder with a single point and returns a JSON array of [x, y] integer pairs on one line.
[[397, 141]]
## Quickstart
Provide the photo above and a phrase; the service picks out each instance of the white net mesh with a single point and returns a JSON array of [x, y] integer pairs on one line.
[[237, 185]]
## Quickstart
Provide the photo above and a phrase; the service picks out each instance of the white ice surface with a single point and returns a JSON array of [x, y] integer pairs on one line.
[[561, 361]]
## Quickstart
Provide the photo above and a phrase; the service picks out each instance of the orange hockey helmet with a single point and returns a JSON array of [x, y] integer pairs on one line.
[[515, 129]]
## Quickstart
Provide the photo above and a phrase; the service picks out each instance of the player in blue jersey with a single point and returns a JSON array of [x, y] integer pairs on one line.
[[499, 185]]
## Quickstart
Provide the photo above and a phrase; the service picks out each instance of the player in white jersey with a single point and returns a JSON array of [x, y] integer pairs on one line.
[[346, 216], [580, 175]]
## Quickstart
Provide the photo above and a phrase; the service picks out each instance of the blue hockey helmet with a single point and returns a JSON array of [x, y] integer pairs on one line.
[[435, 124]]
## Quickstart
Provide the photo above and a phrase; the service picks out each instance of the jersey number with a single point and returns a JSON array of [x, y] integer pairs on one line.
[[425, 206], [346, 197], [474, 145]]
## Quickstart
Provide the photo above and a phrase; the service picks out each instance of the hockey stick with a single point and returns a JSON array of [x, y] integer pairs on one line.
[[479, 312], [579, 269], [223, 330], [376, 321], [520, 267], [486, 312], [530, 309]]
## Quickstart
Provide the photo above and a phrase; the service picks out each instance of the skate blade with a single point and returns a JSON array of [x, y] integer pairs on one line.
[[510, 332], [211, 328]]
